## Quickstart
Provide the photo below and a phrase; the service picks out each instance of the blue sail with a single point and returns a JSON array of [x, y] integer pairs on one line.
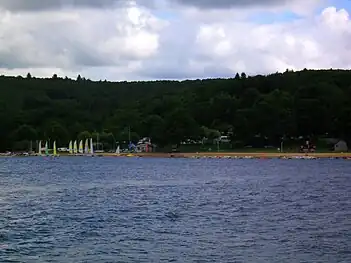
[[131, 145]]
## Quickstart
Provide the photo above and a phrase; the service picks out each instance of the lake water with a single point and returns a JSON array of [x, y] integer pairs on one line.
[[174, 210]]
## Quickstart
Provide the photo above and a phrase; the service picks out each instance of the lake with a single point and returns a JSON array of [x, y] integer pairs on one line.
[[84, 209]]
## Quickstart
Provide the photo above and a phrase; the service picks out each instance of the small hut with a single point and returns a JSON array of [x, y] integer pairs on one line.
[[340, 146], [145, 147]]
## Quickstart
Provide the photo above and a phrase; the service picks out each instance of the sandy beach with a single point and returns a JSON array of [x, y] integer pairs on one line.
[[261, 155]]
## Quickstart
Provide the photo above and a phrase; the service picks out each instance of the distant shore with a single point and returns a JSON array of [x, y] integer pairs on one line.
[[228, 155], [261, 155]]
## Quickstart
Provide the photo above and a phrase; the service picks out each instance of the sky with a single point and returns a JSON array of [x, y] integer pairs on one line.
[[172, 39]]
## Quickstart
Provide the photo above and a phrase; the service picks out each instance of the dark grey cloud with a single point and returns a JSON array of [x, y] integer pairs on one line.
[[38, 5], [220, 4]]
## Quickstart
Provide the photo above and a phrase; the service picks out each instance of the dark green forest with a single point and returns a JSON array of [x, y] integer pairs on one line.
[[251, 110]]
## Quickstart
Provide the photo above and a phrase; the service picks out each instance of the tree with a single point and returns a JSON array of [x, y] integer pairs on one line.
[[154, 127], [309, 103], [180, 126], [55, 131], [210, 134], [25, 132], [84, 135], [108, 140], [24, 137]]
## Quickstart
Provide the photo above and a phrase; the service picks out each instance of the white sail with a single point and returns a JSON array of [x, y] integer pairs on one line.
[[91, 146], [39, 148], [70, 148], [46, 148], [118, 150], [86, 146]]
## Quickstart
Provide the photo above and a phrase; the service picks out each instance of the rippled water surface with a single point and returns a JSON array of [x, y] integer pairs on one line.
[[174, 210]]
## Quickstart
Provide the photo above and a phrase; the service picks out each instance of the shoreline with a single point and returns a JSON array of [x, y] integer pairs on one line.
[[235, 155], [260, 155], [218, 155]]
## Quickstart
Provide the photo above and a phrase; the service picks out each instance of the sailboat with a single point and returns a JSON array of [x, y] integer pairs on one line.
[[80, 149], [46, 148], [54, 149], [118, 151], [70, 148], [86, 146], [91, 147], [75, 150], [39, 149]]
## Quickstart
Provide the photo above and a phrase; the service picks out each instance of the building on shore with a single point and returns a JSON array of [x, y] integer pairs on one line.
[[340, 146], [145, 145]]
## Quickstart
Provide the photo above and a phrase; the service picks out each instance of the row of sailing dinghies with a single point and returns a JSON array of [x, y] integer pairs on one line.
[[72, 148], [88, 149]]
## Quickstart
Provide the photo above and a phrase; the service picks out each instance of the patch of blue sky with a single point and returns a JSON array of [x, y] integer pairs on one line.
[[271, 18], [339, 4], [165, 15]]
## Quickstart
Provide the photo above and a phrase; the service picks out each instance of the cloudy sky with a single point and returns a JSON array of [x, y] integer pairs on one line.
[[171, 39]]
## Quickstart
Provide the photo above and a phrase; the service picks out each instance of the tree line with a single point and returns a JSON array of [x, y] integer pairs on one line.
[[251, 110]]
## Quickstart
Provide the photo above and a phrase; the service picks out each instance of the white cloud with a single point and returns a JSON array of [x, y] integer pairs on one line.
[[228, 45], [76, 39], [131, 42]]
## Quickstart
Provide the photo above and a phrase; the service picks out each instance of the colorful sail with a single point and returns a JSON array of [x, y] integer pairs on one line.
[[54, 148], [75, 150], [80, 149]]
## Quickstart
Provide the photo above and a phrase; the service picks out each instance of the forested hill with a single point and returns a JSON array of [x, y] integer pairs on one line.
[[291, 104]]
